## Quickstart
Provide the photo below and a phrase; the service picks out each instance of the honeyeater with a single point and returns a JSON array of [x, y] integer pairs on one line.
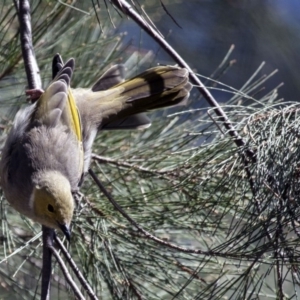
[[49, 146]]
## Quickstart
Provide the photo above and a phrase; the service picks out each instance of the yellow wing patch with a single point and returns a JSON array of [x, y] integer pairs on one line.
[[75, 117]]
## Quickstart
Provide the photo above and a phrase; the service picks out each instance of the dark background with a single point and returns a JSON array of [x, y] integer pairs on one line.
[[261, 30]]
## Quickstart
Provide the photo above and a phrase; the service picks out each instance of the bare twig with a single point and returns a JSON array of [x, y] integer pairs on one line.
[[168, 13], [75, 269], [150, 236], [124, 164], [247, 155], [126, 8], [47, 258], [67, 275], [31, 66]]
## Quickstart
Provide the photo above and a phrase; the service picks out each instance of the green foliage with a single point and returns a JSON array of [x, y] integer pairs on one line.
[[182, 180]]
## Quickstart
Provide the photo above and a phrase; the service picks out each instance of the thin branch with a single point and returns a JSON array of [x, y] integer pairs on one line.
[[188, 270], [31, 66], [128, 279], [247, 155], [47, 262], [167, 12], [75, 269], [126, 8], [149, 236], [124, 164], [67, 274]]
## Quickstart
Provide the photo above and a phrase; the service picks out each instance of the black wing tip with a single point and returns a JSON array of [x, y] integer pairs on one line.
[[70, 63], [65, 71], [57, 64], [111, 77]]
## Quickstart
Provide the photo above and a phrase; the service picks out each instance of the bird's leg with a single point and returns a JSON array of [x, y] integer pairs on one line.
[[34, 94]]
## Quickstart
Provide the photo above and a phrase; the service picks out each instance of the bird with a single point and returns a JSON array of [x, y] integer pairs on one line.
[[42, 159], [48, 149], [115, 103]]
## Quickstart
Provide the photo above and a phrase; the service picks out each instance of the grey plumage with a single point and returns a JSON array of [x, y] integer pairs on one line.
[[50, 144], [120, 104], [41, 141]]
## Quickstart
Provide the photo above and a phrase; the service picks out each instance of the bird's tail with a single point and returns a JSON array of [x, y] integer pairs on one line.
[[115, 103], [156, 88]]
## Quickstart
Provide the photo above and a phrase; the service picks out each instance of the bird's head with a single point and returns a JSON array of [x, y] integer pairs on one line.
[[52, 201]]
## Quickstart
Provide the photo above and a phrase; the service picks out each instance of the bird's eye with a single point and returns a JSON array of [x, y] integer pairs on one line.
[[50, 208]]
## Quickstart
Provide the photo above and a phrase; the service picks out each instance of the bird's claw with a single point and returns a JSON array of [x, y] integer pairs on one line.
[[34, 94]]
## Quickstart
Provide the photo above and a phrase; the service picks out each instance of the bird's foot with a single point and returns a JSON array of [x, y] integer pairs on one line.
[[34, 94]]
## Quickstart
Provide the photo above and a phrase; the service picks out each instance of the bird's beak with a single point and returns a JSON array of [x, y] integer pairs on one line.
[[66, 230]]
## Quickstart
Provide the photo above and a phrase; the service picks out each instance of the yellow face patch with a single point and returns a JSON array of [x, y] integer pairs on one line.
[[53, 202]]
